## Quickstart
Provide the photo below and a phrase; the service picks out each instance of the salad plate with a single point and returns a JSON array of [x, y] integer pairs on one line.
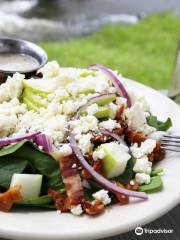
[[34, 223]]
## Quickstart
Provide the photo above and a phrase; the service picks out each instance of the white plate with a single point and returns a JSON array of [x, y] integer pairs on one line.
[[29, 224]]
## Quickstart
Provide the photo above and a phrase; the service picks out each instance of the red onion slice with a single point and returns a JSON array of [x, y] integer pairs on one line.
[[7, 141], [113, 135], [100, 179], [44, 141], [91, 101], [116, 81]]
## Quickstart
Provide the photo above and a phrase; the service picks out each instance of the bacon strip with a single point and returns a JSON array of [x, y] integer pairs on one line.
[[71, 179], [8, 198], [61, 201], [93, 207]]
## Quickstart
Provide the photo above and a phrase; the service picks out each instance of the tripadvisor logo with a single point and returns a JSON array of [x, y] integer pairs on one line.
[[139, 231]]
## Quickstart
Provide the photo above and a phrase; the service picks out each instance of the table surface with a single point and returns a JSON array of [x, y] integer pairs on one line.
[[169, 221]]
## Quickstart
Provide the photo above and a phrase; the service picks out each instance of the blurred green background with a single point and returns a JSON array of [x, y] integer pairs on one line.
[[144, 51], [137, 37]]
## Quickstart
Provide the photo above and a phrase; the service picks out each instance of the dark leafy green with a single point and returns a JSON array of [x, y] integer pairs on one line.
[[55, 180], [128, 173], [160, 126], [43, 200], [15, 158], [155, 185], [9, 166], [11, 148]]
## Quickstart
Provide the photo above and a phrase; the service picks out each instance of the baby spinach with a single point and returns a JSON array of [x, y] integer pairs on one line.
[[43, 200], [159, 125], [16, 157], [55, 181], [9, 166], [11, 148], [156, 184], [156, 171]]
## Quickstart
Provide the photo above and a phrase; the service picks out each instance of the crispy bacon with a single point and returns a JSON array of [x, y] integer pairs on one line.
[[8, 198], [61, 201], [100, 138], [93, 208], [71, 179], [97, 166], [132, 185], [132, 136], [158, 154], [123, 199]]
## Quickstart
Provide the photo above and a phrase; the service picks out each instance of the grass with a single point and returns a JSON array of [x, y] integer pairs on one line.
[[144, 52]]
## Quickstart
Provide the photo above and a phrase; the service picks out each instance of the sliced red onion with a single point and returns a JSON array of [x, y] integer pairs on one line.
[[7, 141], [100, 179], [116, 81], [91, 101], [113, 135], [44, 141]]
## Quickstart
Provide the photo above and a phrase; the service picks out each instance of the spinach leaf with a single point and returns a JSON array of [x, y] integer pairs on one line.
[[11, 148], [43, 200], [43, 162], [160, 126], [37, 161], [55, 181], [9, 166], [128, 173], [155, 185]]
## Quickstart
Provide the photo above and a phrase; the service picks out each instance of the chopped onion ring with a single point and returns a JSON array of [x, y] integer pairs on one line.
[[113, 135], [116, 81], [100, 179], [9, 140], [91, 101], [44, 141]]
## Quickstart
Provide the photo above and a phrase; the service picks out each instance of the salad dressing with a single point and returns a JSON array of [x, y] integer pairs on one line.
[[17, 62]]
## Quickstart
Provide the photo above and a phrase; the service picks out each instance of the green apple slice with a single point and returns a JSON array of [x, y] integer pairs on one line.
[[105, 101], [30, 184], [115, 159], [35, 99], [103, 112], [36, 86], [30, 105], [87, 91]]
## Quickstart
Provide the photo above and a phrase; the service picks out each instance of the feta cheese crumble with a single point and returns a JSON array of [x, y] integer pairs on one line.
[[142, 178], [102, 196], [65, 150], [109, 124], [98, 154], [77, 210]]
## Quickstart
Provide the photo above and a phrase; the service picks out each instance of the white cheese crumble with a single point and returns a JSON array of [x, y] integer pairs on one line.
[[98, 154], [109, 124], [136, 119], [102, 196], [85, 143], [84, 124], [146, 147], [92, 109], [142, 178], [12, 88], [142, 165], [157, 135], [77, 210], [65, 150], [51, 69]]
